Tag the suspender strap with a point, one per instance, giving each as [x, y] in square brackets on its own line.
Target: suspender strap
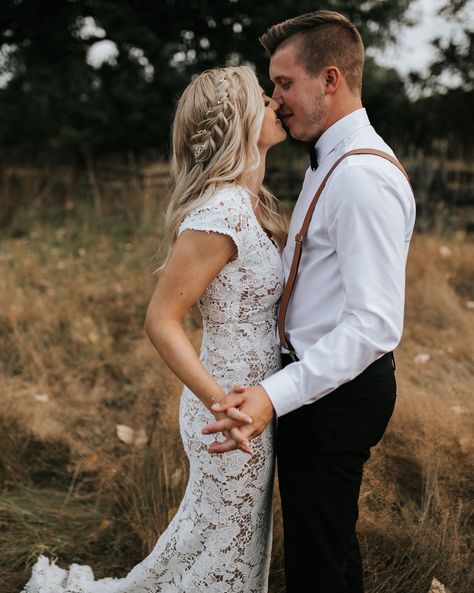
[300, 236]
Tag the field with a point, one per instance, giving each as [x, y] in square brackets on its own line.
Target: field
[75, 365]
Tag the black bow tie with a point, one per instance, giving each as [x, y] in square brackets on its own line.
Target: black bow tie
[312, 155]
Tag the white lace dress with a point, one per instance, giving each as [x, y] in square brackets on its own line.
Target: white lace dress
[219, 540]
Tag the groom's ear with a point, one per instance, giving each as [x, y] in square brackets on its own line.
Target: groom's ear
[332, 79]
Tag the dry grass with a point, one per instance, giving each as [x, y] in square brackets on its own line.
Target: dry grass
[417, 499]
[72, 302]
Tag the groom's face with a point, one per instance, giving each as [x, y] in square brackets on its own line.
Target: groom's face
[301, 96]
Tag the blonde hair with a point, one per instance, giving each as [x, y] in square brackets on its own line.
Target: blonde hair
[215, 135]
[325, 38]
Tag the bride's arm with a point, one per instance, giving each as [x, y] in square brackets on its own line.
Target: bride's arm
[196, 315]
[196, 259]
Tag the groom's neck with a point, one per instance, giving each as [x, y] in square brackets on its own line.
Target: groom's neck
[344, 106]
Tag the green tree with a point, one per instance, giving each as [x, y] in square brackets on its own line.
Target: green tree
[385, 98]
[447, 92]
[54, 102]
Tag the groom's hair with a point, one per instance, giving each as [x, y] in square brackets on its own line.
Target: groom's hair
[325, 38]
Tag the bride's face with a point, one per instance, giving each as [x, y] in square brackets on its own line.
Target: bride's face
[272, 131]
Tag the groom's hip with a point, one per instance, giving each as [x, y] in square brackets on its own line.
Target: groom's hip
[353, 415]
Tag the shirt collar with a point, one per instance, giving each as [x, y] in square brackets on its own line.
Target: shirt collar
[340, 130]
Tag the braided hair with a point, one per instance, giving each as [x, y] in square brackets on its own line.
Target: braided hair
[216, 130]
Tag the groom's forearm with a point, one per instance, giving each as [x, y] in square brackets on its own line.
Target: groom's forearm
[338, 357]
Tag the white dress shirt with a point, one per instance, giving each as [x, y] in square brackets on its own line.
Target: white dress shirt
[347, 305]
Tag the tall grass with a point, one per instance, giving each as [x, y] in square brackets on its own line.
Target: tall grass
[75, 364]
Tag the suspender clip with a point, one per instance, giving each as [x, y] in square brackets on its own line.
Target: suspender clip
[293, 356]
[299, 238]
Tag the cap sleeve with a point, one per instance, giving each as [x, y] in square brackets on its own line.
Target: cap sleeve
[220, 214]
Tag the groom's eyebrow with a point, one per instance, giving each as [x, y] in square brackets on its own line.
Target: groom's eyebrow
[279, 78]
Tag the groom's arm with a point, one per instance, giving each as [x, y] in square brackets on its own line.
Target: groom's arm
[366, 215]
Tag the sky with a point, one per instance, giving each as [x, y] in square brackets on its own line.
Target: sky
[413, 50]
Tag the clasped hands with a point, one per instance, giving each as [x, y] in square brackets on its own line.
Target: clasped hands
[241, 415]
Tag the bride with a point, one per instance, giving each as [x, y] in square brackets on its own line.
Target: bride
[225, 236]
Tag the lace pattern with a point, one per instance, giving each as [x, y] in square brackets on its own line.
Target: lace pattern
[219, 540]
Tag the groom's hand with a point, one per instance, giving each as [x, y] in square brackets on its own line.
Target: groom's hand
[253, 402]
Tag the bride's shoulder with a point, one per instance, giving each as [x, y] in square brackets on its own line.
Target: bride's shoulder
[224, 208]
[229, 196]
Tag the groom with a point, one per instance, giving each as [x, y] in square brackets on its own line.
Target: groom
[336, 392]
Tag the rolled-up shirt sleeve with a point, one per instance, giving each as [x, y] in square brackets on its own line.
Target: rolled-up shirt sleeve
[368, 222]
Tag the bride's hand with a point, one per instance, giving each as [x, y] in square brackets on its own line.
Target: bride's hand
[230, 416]
[257, 404]
[233, 434]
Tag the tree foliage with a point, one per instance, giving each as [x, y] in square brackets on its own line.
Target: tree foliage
[447, 91]
[54, 102]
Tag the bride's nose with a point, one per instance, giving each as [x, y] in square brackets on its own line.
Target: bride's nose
[274, 105]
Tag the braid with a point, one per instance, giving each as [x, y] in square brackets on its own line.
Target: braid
[215, 144]
[212, 129]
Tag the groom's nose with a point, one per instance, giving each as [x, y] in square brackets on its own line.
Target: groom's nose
[277, 97]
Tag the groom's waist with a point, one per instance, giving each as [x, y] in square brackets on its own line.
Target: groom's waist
[288, 358]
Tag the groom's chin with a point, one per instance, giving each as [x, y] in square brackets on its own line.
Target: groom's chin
[296, 134]
[299, 135]
[289, 133]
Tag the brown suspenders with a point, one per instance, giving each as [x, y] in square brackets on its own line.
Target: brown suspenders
[299, 237]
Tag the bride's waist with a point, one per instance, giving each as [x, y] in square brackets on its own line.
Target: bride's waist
[230, 325]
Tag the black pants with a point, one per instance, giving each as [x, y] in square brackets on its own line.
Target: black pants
[321, 450]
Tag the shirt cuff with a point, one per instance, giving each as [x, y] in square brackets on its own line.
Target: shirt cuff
[283, 392]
